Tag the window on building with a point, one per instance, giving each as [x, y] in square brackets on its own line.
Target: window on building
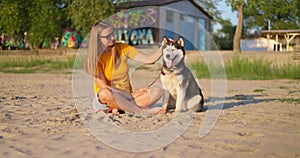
[189, 19]
[201, 22]
[182, 17]
[170, 16]
[186, 18]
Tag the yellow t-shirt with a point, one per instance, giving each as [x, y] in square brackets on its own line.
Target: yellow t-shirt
[117, 77]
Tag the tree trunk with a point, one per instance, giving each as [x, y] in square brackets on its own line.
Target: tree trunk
[238, 30]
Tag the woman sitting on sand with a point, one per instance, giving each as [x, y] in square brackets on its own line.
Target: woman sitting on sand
[107, 62]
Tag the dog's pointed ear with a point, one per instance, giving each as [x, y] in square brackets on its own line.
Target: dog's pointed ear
[164, 40]
[180, 41]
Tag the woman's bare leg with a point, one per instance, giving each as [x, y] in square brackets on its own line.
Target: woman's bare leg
[127, 103]
[146, 97]
[106, 97]
[122, 100]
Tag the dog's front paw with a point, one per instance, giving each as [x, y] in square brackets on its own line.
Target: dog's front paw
[180, 110]
[165, 106]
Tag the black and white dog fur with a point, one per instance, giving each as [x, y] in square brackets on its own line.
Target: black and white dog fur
[181, 90]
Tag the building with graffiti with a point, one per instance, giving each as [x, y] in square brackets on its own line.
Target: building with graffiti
[71, 39]
[146, 22]
[7, 42]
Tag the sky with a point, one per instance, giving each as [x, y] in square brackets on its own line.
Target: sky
[226, 13]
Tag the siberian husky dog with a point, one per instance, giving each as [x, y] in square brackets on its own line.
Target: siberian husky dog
[181, 90]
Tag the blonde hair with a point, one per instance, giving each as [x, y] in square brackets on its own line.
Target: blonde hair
[96, 48]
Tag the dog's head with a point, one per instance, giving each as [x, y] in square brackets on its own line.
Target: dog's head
[173, 52]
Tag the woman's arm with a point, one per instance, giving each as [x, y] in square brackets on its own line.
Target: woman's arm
[148, 59]
[101, 81]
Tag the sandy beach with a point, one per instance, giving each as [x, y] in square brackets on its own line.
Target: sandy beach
[39, 119]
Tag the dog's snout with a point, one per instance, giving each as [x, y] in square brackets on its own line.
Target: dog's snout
[168, 56]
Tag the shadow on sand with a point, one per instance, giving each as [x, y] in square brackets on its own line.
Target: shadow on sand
[236, 100]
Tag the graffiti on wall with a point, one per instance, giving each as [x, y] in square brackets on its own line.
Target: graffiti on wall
[136, 36]
[7, 42]
[133, 26]
[134, 18]
[71, 39]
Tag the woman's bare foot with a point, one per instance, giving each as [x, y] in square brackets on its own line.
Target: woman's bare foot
[162, 111]
[115, 111]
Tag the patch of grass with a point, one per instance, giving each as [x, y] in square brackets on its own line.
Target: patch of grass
[258, 90]
[290, 100]
[243, 68]
[201, 70]
[296, 91]
[282, 87]
[19, 71]
[238, 68]
[35, 64]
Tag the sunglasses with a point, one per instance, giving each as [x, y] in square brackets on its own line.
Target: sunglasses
[109, 35]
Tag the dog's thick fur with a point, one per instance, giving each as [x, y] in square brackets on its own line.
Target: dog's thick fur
[182, 91]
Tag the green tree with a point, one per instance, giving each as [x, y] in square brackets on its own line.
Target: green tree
[10, 22]
[84, 13]
[224, 36]
[14, 17]
[239, 6]
[253, 14]
[283, 14]
[40, 19]
[46, 21]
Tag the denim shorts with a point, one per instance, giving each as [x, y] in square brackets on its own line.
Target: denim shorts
[97, 106]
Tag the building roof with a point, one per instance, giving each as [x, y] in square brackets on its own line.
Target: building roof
[135, 4]
[279, 31]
